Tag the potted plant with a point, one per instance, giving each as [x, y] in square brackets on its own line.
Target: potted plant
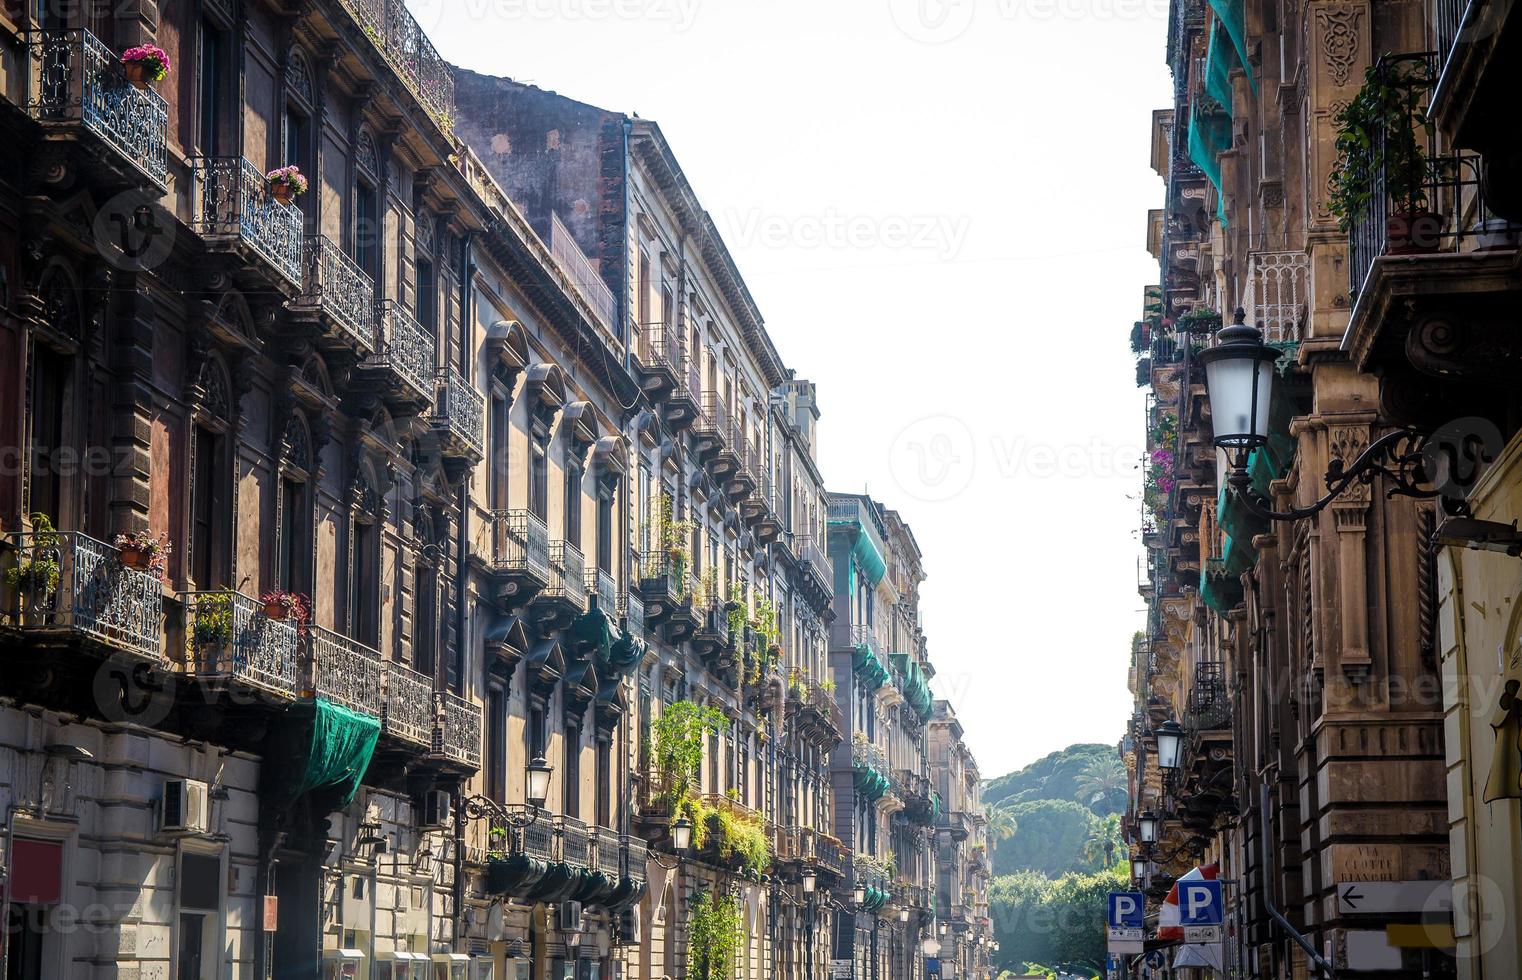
[285, 183]
[1201, 319]
[144, 65]
[1382, 150]
[280, 604]
[38, 568]
[143, 551]
[213, 619]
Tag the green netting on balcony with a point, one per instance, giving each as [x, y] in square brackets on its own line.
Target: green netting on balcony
[343, 741]
[594, 630]
[1209, 136]
[935, 805]
[1220, 594]
[866, 555]
[628, 651]
[869, 782]
[912, 684]
[869, 667]
[1231, 15]
[1220, 60]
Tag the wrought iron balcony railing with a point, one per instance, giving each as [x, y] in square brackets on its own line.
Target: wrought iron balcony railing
[402, 42]
[344, 671]
[567, 575]
[335, 286]
[660, 348]
[631, 611]
[601, 588]
[662, 570]
[863, 635]
[636, 857]
[582, 273]
[406, 350]
[230, 205]
[229, 638]
[1209, 705]
[575, 842]
[74, 79]
[520, 543]
[457, 736]
[72, 583]
[1277, 294]
[459, 415]
[409, 713]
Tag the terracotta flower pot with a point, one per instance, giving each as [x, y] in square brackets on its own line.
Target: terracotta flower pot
[137, 74]
[282, 192]
[133, 558]
[1413, 232]
[275, 611]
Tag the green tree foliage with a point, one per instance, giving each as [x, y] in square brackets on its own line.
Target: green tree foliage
[677, 739]
[1105, 845]
[1060, 922]
[1049, 838]
[714, 927]
[1055, 777]
[1102, 784]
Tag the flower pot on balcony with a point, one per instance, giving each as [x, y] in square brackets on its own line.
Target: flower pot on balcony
[276, 611]
[284, 193]
[137, 74]
[1413, 232]
[134, 558]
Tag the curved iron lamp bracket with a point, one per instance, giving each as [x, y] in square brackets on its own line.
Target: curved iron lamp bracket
[1405, 458]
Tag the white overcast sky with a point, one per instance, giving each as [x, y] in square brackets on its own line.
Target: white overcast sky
[940, 206]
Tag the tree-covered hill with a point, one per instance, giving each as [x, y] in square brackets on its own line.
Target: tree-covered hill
[1058, 776]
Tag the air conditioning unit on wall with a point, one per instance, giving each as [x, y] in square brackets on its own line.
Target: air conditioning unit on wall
[185, 807]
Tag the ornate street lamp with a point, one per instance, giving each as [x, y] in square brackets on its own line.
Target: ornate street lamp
[1146, 825]
[681, 836]
[859, 894]
[941, 928]
[810, 878]
[903, 915]
[1170, 740]
[538, 782]
[1139, 869]
[1239, 379]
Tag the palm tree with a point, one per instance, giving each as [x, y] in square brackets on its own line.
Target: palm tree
[1104, 842]
[1103, 779]
[1001, 825]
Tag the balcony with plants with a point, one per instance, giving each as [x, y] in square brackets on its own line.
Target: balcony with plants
[711, 636]
[813, 709]
[562, 859]
[233, 641]
[239, 211]
[404, 45]
[677, 735]
[75, 85]
[728, 835]
[666, 578]
[1424, 247]
[69, 587]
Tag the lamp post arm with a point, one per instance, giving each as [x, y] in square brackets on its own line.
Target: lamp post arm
[1401, 457]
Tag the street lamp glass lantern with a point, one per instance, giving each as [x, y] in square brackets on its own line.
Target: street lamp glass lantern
[681, 837]
[903, 915]
[1239, 378]
[1146, 825]
[942, 928]
[538, 782]
[1170, 741]
[1138, 868]
[810, 878]
[860, 895]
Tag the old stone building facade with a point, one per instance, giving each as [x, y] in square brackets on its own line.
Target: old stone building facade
[356, 546]
[1315, 603]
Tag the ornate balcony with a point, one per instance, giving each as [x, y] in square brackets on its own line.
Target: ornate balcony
[602, 591]
[403, 362]
[75, 81]
[682, 405]
[340, 293]
[344, 671]
[711, 632]
[70, 586]
[631, 614]
[711, 431]
[740, 481]
[459, 416]
[403, 44]
[816, 574]
[761, 511]
[457, 731]
[232, 210]
[408, 715]
[566, 589]
[517, 550]
[1209, 707]
[665, 584]
[229, 640]
[659, 354]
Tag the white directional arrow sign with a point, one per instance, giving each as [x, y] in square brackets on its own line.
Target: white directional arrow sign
[1391, 897]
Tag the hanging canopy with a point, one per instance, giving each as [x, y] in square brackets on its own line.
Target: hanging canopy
[343, 742]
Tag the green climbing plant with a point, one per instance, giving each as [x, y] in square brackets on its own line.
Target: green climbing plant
[677, 737]
[714, 933]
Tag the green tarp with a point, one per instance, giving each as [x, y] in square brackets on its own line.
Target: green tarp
[1209, 136]
[866, 555]
[1220, 60]
[1232, 17]
[342, 743]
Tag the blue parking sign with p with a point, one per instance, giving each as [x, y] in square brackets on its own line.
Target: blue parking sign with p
[1200, 904]
[1128, 910]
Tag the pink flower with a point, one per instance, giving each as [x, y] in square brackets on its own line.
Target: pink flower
[288, 175]
[151, 57]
